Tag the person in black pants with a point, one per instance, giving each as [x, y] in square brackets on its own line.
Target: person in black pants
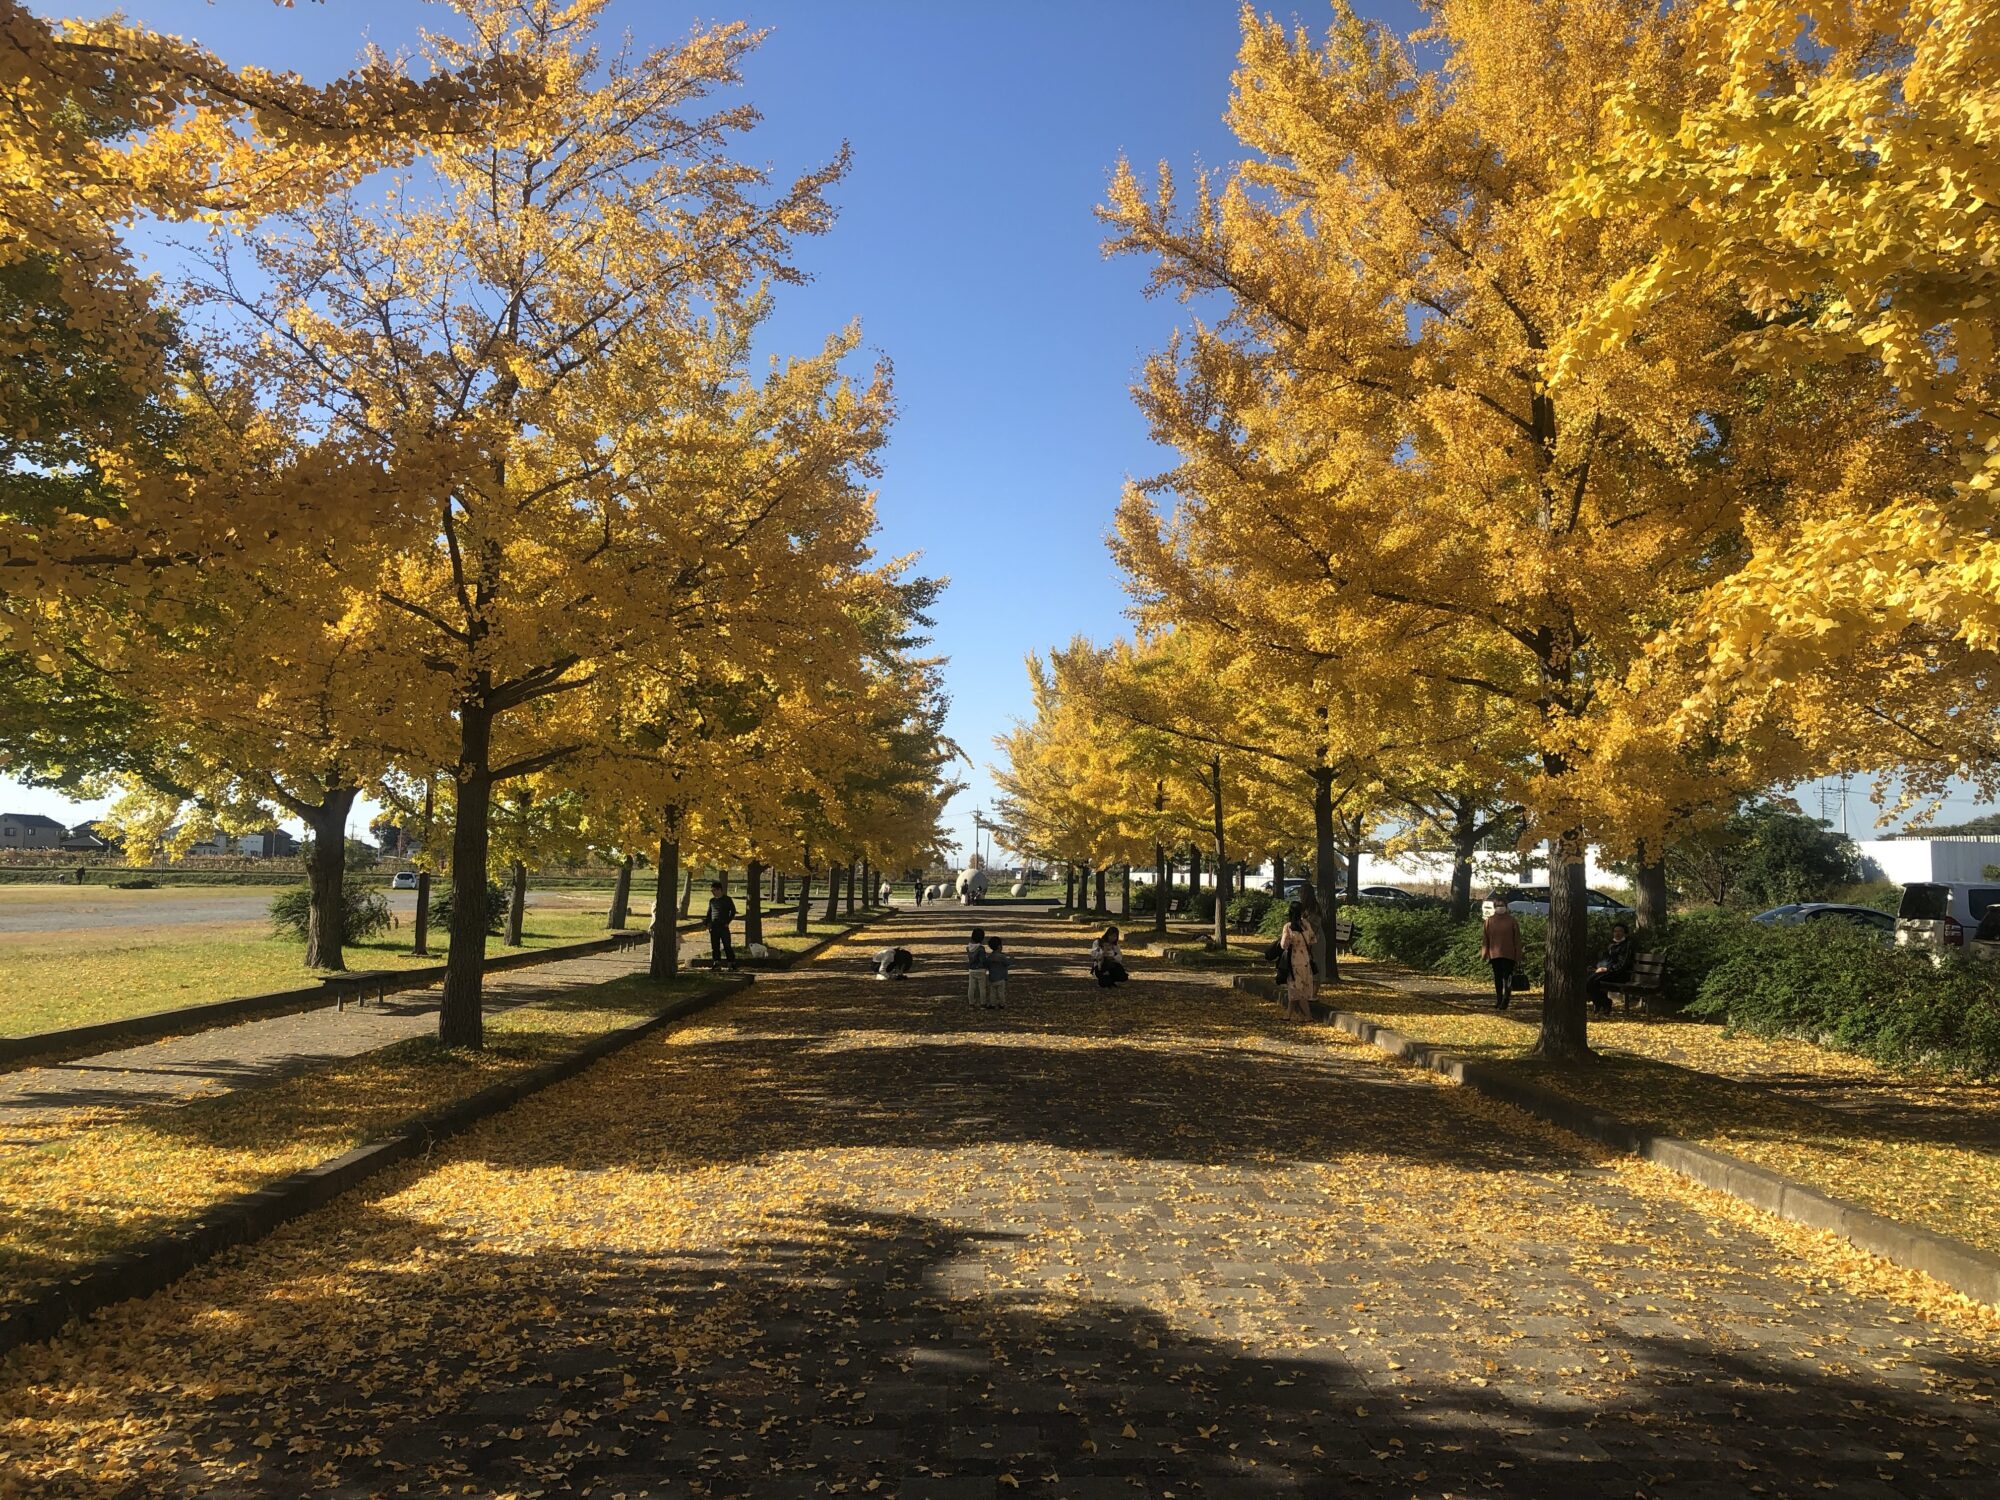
[721, 912]
[1611, 970]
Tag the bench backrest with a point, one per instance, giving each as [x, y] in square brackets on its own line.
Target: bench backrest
[1646, 970]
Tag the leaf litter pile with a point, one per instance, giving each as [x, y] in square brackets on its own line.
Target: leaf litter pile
[848, 1238]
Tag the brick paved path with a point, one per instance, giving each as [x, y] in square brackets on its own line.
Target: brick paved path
[841, 1236]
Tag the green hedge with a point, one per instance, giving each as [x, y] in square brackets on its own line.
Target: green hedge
[114, 875]
[1201, 910]
[1841, 988]
[1824, 982]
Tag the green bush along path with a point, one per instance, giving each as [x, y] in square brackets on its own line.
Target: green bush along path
[845, 1236]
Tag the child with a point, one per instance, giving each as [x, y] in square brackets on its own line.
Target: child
[996, 975]
[975, 967]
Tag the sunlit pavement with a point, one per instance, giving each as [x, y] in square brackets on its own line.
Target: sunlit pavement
[849, 1236]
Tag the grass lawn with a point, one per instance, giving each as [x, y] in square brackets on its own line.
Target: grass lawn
[1925, 1150]
[74, 977]
[72, 1194]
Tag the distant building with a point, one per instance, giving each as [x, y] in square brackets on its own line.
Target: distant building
[1948, 859]
[272, 843]
[85, 839]
[30, 831]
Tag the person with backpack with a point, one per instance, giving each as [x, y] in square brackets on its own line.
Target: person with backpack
[721, 912]
[1296, 976]
[1500, 946]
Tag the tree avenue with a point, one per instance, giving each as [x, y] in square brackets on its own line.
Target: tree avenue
[1588, 423]
[463, 478]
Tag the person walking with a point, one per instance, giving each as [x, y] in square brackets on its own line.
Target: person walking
[975, 968]
[1107, 960]
[1308, 903]
[721, 912]
[1295, 964]
[919, 885]
[1500, 946]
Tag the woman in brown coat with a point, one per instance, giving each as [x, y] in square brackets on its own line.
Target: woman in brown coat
[1500, 946]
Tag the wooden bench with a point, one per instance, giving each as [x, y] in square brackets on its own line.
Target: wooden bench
[1176, 906]
[1647, 970]
[356, 987]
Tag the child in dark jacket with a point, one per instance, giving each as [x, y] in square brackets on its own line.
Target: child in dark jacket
[996, 974]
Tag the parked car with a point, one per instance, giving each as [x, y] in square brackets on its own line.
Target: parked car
[1390, 893]
[1533, 901]
[1938, 914]
[1797, 913]
[403, 880]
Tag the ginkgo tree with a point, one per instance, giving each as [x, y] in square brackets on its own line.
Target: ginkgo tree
[1376, 467]
[543, 336]
[1831, 176]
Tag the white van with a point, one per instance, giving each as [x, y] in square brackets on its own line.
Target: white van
[1937, 914]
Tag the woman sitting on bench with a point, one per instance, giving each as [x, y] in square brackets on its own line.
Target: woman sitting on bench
[1612, 970]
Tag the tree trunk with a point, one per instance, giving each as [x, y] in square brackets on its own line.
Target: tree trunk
[1162, 881]
[1354, 866]
[461, 1019]
[664, 961]
[803, 916]
[621, 897]
[421, 948]
[1125, 891]
[1069, 887]
[778, 890]
[1194, 881]
[832, 912]
[1221, 928]
[687, 892]
[852, 867]
[753, 904]
[1465, 840]
[326, 877]
[1565, 1001]
[1649, 884]
[517, 905]
[1103, 905]
[1326, 861]
[1278, 876]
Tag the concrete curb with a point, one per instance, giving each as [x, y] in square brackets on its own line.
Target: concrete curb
[186, 1020]
[1962, 1267]
[157, 1263]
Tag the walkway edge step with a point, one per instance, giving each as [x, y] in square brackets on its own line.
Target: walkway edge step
[1960, 1266]
[157, 1263]
[186, 1020]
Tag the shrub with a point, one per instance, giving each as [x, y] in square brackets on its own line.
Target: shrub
[1408, 935]
[1839, 987]
[1693, 945]
[1250, 909]
[366, 907]
[497, 897]
[1202, 909]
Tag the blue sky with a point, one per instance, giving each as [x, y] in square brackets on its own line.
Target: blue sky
[982, 136]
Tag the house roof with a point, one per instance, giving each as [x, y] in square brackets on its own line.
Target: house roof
[32, 820]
